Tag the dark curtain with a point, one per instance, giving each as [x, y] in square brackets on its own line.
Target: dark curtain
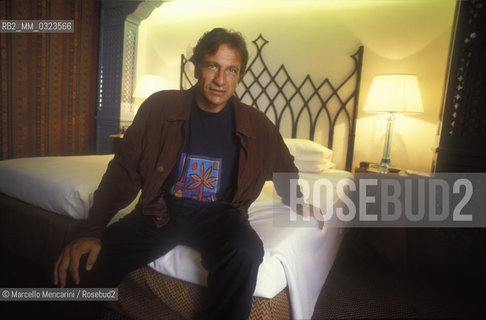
[48, 80]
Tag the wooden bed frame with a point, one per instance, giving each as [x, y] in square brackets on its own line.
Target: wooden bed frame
[39, 235]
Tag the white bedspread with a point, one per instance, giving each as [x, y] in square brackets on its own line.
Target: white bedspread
[299, 256]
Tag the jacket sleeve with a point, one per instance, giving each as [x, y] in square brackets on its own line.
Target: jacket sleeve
[122, 180]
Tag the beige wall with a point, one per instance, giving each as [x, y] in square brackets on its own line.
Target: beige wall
[315, 37]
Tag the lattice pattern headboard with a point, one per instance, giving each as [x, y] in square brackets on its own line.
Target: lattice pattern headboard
[324, 112]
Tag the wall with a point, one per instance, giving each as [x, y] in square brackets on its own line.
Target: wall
[316, 38]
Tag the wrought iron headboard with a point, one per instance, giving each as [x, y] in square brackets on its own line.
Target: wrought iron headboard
[285, 102]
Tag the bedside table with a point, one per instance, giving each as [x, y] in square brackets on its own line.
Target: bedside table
[117, 139]
[375, 168]
[393, 244]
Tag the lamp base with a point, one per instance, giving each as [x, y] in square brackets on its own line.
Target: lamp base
[385, 163]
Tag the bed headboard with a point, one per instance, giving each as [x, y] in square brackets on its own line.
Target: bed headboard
[322, 112]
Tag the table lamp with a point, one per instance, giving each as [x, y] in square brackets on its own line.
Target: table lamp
[393, 94]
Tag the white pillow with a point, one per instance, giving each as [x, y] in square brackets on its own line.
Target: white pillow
[310, 156]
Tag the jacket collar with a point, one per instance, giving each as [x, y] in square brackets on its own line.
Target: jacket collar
[242, 125]
[183, 112]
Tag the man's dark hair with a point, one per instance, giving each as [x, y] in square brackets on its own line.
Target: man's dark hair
[210, 42]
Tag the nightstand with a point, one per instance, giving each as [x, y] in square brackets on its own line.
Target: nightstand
[117, 140]
[375, 168]
[392, 244]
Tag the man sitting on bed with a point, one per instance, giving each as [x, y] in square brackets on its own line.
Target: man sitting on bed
[201, 158]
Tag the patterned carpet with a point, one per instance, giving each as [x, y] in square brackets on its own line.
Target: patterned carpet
[367, 286]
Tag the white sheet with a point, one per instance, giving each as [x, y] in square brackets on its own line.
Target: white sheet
[65, 185]
[59, 184]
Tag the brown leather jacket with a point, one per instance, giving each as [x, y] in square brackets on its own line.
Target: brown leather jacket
[153, 143]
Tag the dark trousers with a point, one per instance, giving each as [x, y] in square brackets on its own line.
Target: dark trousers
[231, 252]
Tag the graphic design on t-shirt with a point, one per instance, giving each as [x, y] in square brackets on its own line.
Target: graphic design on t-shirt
[198, 178]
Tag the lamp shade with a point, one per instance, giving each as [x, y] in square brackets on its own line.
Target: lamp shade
[396, 93]
[148, 84]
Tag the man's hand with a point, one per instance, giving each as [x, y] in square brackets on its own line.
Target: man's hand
[308, 210]
[69, 259]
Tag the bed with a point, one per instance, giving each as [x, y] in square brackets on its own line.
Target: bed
[40, 211]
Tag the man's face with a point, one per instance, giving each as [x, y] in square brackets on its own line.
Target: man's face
[217, 76]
